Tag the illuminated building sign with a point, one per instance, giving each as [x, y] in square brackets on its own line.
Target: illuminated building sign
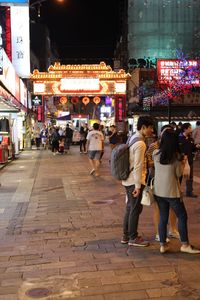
[10, 78]
[120, 103]
[186, 71]
[20, 37]
[82, 80]
[39, 88]
[36, 100]
[10, 2]
[79, 84]
[120, 87]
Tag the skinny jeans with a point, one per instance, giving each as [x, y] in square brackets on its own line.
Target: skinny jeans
[178, 206]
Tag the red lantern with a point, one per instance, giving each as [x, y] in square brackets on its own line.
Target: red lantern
[96, 100]
[63, 100]
[85, 100]
[75, 100]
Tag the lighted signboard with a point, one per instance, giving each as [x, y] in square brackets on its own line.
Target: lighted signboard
[20, 37]
[120, 87]
[39, 88]
[36, 100]
[9, 77]
[170, 70]
[79, 84]
[11, 2]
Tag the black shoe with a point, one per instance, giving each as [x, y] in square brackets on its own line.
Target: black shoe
[191, 195]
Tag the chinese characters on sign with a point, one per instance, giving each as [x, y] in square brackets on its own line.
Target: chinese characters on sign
[186, 71]
[120, 108]
[20, 40]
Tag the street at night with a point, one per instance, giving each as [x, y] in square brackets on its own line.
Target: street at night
[99, 149]
[60, 232]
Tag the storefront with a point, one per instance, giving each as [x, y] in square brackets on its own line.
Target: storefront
[12, 112]
[94, 90]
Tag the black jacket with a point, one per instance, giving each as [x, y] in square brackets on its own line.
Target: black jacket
[187, 147]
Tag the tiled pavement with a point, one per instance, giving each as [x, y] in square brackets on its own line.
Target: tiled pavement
[60, 232]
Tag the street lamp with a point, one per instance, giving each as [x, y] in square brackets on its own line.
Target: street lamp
[38, 3]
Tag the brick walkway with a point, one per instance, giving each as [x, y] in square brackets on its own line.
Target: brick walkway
[60, 231]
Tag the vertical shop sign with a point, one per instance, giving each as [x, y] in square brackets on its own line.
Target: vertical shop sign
[120, 108]
[39, 113]
[20, 36]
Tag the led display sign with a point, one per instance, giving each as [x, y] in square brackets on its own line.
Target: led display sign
[186, 71]
[13, 2]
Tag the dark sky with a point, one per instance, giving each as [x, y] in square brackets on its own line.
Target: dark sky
[82, 29]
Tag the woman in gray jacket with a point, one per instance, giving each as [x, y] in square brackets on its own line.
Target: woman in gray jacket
[169, 164]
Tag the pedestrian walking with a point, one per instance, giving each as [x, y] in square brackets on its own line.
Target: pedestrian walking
[83, 140]
[95, 146]
[188, 148]
[68, 138]
[196, 137]
[135, 183]
[169, 164]
[37, 138]
[44, 136]
[55, 141]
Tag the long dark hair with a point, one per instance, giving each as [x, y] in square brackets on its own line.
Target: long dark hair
[169, 147]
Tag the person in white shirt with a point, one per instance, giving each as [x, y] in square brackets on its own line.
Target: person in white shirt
[135, 183]
[95, 146]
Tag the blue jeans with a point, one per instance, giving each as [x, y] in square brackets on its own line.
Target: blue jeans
[132, 212]
[179, 208]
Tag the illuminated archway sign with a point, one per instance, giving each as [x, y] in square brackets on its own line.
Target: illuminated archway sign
[83, 80]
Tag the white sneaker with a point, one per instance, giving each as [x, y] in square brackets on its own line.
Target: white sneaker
[164, 249]
[189, 249]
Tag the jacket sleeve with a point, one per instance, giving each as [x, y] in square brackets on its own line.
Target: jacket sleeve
[139, 156]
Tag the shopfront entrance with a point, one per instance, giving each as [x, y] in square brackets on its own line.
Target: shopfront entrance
[93, 90]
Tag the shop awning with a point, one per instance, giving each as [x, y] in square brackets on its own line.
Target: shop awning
[6, 106]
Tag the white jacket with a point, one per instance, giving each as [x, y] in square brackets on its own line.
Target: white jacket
[137, 162]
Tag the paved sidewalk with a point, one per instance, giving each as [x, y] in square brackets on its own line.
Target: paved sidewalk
[60, 231]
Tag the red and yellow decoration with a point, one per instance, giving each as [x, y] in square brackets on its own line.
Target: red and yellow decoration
[85, 100]
[96, 100]
[63, 100]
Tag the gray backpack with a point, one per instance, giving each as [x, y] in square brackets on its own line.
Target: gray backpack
[120, 165]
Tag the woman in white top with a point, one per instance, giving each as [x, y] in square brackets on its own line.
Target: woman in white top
[169, 165]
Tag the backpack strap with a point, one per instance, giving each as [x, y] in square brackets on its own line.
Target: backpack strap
[134, 140]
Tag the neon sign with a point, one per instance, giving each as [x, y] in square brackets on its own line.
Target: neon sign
[79, 84]
[183, 71]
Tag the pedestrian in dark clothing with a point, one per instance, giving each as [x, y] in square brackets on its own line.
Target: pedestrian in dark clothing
[55, 137]
[187, 147]
[68, 137]
[83, 140]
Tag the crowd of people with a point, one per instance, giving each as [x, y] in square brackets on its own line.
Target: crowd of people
[166, 159]
[58, 139]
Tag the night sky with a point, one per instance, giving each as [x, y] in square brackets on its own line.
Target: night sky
[85, 30]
